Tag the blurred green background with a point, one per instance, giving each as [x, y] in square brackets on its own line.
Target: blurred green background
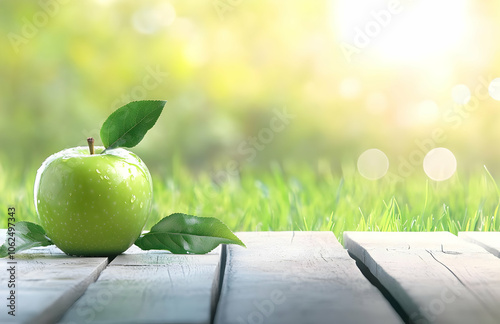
[353, 74]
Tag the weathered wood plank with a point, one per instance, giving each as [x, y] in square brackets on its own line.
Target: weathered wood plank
[488, 240]
[47, 283]
[150, 287]
[435, 277]
[297, 277]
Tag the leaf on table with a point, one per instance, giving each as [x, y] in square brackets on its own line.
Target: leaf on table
[127, 125]
[182, 234]
[27, 235]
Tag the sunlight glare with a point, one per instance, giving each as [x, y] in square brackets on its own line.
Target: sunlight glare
[412, 31]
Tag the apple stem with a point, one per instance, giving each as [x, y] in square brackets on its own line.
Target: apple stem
[90, 141]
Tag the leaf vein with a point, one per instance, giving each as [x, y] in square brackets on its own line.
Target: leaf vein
[130, 129]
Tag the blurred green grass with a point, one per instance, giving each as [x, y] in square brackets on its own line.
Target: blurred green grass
[224, 76]
[293, 196]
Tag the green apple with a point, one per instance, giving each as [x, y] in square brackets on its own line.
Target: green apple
[93, 204]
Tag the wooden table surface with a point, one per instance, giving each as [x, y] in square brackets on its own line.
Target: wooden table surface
[281, 277]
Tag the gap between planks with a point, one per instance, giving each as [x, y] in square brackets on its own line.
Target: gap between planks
[47, 283]
[436, 277]
[227, 275]
[297, 277]
[320, 282]
[490, 241]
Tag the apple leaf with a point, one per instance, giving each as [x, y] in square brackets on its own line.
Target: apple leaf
[182, 234]
[26, 236]
[127, 125]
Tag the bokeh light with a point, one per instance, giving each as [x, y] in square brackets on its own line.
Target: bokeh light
[494, 89]
[350, 88]
[376, 103]
[150, 19]
[460, 94]
[373, 164]
[440, 164]
[428, 111]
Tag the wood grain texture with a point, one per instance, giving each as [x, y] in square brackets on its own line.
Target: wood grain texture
[47, 283]
[150, 287]
[297, 277]
[436, 277]
[490, 241]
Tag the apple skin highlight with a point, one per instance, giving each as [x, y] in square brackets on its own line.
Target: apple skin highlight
[93, 205]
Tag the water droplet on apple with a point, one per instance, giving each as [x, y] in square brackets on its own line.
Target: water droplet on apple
[140, 206]
[133, 199]
[97, 170]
